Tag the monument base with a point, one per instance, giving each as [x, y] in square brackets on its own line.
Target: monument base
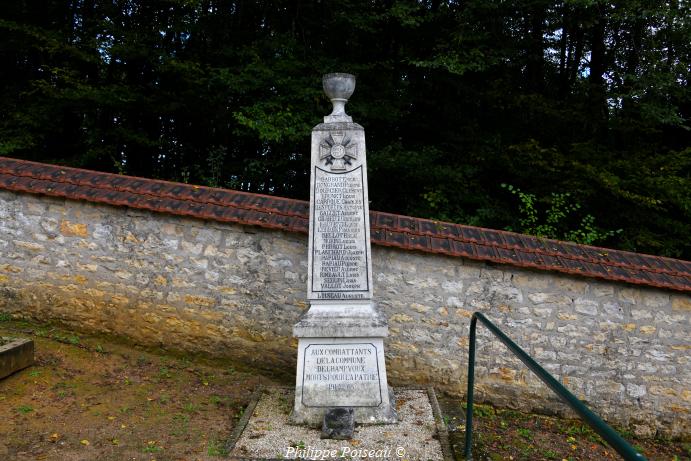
[341, 364]
[265, 433]
[342, 320]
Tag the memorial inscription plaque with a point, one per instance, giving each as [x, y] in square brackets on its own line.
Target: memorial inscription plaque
[333, 371]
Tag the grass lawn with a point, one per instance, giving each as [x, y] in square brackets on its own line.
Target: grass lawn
[500, 434]
[88, 398]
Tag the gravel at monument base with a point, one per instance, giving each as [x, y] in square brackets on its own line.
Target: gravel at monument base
[269, 435]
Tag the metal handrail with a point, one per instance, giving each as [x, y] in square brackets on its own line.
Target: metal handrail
[611, 436]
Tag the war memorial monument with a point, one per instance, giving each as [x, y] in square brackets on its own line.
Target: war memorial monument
[342, 406]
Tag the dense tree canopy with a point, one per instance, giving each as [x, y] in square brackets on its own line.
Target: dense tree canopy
[580, 108]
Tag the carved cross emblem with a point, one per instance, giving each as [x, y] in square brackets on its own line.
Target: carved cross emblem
[337, 150]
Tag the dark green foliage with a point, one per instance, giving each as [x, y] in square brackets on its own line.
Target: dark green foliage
[553, 222]
[579, 97]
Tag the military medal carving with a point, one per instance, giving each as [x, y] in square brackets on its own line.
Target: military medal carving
[338, 151]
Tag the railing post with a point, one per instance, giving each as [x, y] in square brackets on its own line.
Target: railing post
[612, 437]
[468, 453]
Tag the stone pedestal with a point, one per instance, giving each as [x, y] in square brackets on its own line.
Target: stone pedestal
[341, 364]
[361, 386]
[340, 347]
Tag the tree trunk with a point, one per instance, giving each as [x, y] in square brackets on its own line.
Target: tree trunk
[597, 94]
[563, 41]
[535, 66]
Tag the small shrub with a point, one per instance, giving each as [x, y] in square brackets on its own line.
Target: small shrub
[151, 447]
[190, 407]
[215, 448]
[554, 222]
[525, 433]
[67, 339]
[164, 373]
[180, 424]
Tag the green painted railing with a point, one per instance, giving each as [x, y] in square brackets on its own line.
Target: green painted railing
[611, 436]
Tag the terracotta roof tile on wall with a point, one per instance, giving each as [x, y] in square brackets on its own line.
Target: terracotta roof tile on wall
[387, 229]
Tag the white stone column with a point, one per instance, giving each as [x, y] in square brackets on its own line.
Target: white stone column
[340, 338]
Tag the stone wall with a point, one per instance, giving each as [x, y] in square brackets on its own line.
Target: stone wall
[236, 291]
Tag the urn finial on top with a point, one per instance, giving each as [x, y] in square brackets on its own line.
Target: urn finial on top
[338, 88]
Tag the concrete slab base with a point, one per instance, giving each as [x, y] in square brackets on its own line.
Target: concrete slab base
[266, 433]
[15, 354]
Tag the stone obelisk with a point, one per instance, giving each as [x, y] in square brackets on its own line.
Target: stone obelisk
[341, 336]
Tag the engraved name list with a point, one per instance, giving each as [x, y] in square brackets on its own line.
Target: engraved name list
[339, 269]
